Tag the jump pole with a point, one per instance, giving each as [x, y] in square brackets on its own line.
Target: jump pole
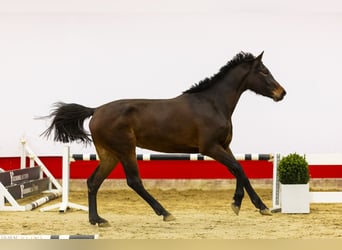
[175, 157]
[65, 204]
[48, 237]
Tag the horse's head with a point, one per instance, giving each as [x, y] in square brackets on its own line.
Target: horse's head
[261, 81]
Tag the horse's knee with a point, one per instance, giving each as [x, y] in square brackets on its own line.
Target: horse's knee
[134, 183]
[236, 167]
[239, 174]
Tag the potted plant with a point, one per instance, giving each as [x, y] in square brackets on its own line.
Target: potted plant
[294, 179]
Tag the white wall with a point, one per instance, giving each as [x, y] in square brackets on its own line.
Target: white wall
[92, 52]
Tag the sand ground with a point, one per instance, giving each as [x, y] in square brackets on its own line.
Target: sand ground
[200, 214]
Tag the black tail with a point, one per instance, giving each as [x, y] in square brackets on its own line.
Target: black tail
[67, 122]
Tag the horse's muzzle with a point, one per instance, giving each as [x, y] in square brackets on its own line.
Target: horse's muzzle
[278, 94]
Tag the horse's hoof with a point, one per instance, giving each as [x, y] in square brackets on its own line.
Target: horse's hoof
[235, 208]
[169, 217]
[265, 211]
[100, 222]
[103, 224]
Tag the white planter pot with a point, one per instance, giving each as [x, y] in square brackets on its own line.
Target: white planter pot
[295, 198]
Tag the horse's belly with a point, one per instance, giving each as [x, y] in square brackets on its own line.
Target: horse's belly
[187, 150]
[167, 146]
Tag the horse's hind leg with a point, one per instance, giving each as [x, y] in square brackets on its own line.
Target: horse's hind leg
[107, 164]
[134, 181]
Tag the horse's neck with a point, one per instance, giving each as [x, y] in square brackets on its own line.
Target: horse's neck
[226, 93]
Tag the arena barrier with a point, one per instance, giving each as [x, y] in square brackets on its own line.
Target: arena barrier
[313, 159]
[325, 159]
[193, 157]
[27, 181]
[48, 237]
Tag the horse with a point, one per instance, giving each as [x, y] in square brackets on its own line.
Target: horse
[196, 121]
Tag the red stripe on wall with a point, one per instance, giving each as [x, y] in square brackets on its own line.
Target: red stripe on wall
[177, 170]
[172, 169]
[325, 171]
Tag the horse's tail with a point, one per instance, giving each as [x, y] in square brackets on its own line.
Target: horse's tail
[67, 122]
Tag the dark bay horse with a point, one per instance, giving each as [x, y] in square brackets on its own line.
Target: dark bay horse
[197, 121]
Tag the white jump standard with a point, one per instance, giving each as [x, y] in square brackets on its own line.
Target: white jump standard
[65, 204]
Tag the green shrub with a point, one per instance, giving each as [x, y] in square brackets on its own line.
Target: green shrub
[293, 169]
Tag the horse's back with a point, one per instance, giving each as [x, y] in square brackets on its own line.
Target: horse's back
[157, 124]
[142, 109]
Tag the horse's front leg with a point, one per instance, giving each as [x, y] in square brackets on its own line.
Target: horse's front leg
[227, 158]
[238, 196]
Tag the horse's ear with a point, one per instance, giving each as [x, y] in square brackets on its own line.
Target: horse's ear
[259, 57]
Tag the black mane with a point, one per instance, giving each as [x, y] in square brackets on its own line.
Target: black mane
[208, 82]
